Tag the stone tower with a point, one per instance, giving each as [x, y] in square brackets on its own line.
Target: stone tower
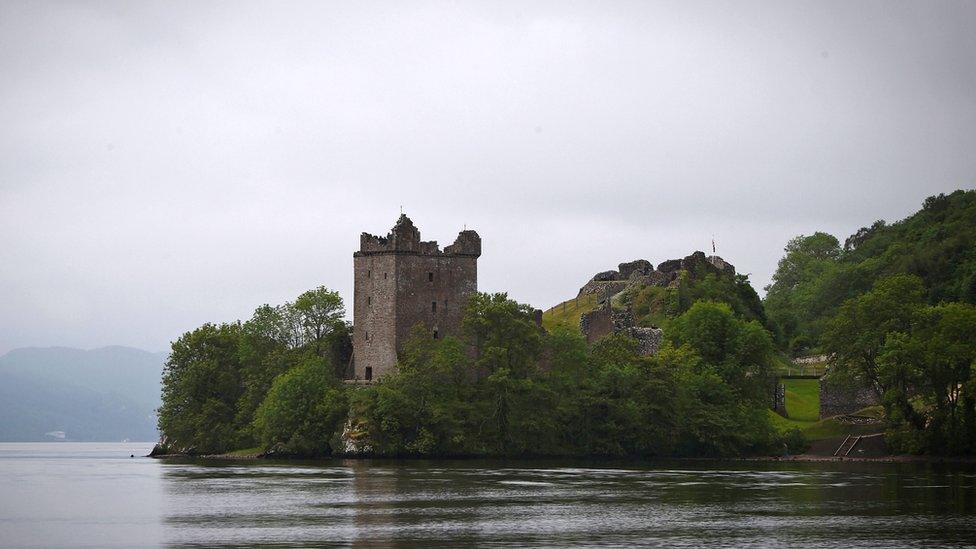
[401, 281]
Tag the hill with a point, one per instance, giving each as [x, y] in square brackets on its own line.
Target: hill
[103, 394]
[817, 274]
[655, 296]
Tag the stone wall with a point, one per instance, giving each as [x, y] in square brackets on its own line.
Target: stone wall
[779, 398]
[596, 324]
[601, 322]
[839, 399]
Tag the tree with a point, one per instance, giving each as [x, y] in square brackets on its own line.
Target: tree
[740, 352]
[319, 313]
[503, 333]
[303, 410]
[791, 299]
[932, 370]
[856, 336]
[201, 385]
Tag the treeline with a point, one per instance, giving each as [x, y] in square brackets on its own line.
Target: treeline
[817, 274]
[893, 309]
[217, 377]
[504, 387]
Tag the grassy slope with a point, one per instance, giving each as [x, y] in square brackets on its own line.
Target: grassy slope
[803, 399]
[569, 312]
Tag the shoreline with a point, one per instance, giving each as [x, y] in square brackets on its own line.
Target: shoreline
[799, 458]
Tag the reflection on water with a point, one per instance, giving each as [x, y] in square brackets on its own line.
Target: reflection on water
[387, 503]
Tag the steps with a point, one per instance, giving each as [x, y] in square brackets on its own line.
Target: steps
[845, 447]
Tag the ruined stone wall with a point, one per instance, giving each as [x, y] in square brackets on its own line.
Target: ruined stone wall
[838, 399]
[779, 398]
[599, 323]
[596, 324]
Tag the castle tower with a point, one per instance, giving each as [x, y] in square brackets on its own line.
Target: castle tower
[401, 281]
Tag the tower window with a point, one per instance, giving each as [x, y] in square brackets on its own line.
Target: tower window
[369, 300]
[430, 277]
[366, 335]
[369, 373]
[435, 334]
[369, 273]
[433, 306]
[384, 276]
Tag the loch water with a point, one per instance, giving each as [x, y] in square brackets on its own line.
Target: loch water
[95, 495]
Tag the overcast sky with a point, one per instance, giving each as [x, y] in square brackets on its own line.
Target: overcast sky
[167, 164]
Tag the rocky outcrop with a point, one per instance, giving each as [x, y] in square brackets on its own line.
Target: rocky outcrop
[641, 267]
[669, 266]
[721, 264]
[354, 440]
[606, 276]
[603, 287]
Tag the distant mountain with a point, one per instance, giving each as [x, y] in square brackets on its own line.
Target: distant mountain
[104, 394]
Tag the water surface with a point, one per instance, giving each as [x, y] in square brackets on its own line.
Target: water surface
[90, 494]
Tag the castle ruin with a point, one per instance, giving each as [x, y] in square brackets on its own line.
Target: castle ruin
[400, 282]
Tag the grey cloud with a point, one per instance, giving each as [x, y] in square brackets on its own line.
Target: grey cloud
[167, 164]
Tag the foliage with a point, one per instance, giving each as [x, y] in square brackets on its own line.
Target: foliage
[504, 387]
[201, 385]
[302, 410]
[526, 392]
[921, 361]
[815, 276]
[217, 376]
[740, 352]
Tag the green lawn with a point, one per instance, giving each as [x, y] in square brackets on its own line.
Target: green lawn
[803, 399]
[569, 312]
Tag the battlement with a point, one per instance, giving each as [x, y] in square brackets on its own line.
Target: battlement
[404, 238]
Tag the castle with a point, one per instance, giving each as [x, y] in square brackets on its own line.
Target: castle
[401, 281]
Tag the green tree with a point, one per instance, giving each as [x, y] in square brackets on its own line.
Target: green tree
[320, 312]
[740, 352]
[201, 385]
[856, 337]
[303, 410]
[932, 370]
[503, 333]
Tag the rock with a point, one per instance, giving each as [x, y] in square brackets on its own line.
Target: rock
[721, 264]
[159, 449]
[695, 262]
[603, 288]
[606, 276]
[669, 266]
[658, 278]
[639, 266]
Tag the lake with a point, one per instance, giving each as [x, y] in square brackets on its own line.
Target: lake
[92, 494]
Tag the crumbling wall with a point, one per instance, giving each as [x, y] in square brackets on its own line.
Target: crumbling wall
[600, 323]
[837, 398]
[596, 324]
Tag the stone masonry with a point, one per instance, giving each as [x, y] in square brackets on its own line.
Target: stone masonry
[400, 282]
